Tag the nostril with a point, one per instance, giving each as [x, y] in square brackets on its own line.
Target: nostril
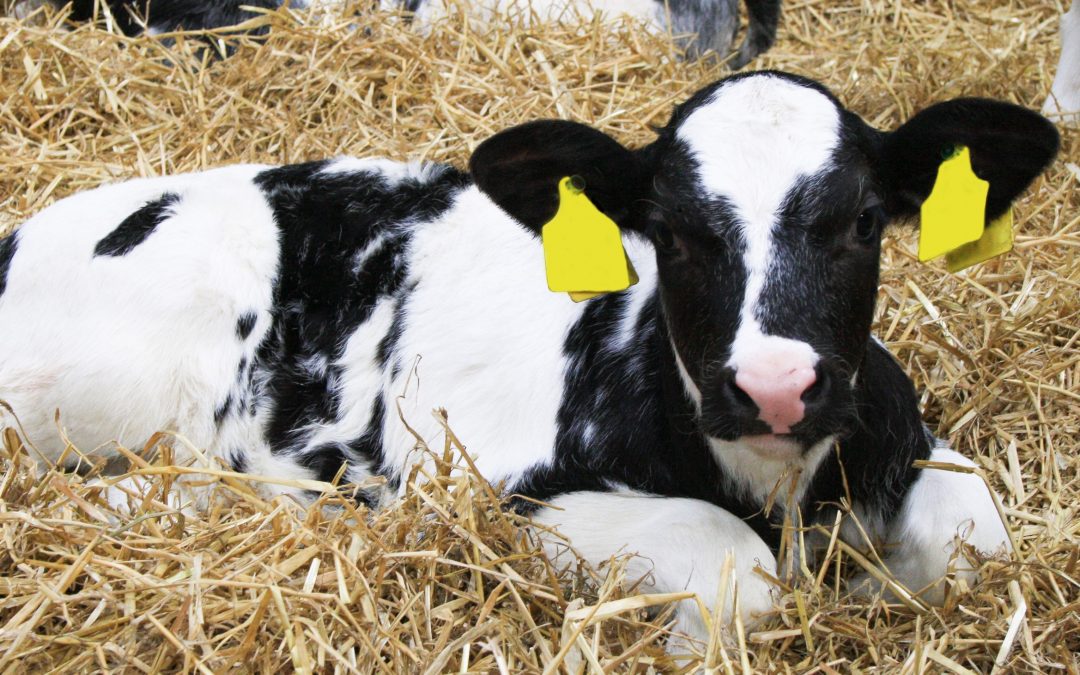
[820, 387]
[739, 396]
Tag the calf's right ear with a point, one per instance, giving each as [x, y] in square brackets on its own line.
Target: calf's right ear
[1009, 147]
[520, 168]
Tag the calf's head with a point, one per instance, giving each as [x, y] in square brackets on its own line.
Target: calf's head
[765, 200]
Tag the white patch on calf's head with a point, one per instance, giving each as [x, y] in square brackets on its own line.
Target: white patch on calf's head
[754, 140]
[755, 137]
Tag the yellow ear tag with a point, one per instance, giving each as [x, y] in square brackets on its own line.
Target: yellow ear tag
[583, 250]
[997, 239]
[955, 212]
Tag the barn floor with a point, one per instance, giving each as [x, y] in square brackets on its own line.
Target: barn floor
[445, 581]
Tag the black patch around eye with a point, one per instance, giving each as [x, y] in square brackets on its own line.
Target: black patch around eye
[869, 223]
[134, 229]
[661, 235]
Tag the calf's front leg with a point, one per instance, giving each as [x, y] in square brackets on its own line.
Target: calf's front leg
[676, 545]
[941, 509]
[916, 516]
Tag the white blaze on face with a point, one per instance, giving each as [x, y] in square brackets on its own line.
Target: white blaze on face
[753, 141]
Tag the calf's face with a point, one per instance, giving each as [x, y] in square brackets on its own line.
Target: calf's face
[765, 200]
[767, 220]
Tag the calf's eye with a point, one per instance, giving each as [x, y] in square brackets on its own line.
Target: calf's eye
[868, 224]
[661, 235]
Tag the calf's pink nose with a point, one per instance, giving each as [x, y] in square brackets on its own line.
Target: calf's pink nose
[777, 392]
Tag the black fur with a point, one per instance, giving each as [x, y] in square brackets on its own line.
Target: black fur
[238, 460]
[135, 229]
[538, 154]
[874, 463]
[222, 411]
[245, 324]
[8, 246]
[764, 18]
[322, 294]
[1009, 146]
[169, 15]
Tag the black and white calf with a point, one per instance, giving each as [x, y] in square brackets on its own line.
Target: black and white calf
[714, 23]
[280, 317]
[134, 17]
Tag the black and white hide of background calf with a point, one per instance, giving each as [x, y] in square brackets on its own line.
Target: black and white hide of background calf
[710, 25]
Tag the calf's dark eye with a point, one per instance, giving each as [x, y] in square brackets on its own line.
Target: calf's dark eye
[868, 224]
[661, 235]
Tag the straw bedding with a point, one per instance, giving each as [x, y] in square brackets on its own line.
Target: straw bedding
[446, 581]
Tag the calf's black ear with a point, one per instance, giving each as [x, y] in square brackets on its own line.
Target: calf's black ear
[520, 170]
[1009, 146]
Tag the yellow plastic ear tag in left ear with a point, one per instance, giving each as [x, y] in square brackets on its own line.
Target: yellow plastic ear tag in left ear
[583, 250]
[955, 212]
[997, 239]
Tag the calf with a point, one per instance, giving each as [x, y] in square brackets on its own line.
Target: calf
[713, 23]
[277, 317]
[134, 17]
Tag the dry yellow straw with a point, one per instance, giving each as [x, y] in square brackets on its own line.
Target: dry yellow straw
[446, 581]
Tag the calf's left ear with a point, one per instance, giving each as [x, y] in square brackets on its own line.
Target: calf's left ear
[520, 170]
[1009, 147]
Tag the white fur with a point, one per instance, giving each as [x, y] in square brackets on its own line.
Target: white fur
[1064, 100]
[24, 8]
[123, 494]
[942, 508]
[392, 171]
[499, 374]
[126, 346]
[756, 475]
[676, 544]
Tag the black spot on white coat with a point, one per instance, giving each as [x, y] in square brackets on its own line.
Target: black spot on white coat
[137, 227]
[245, 324]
